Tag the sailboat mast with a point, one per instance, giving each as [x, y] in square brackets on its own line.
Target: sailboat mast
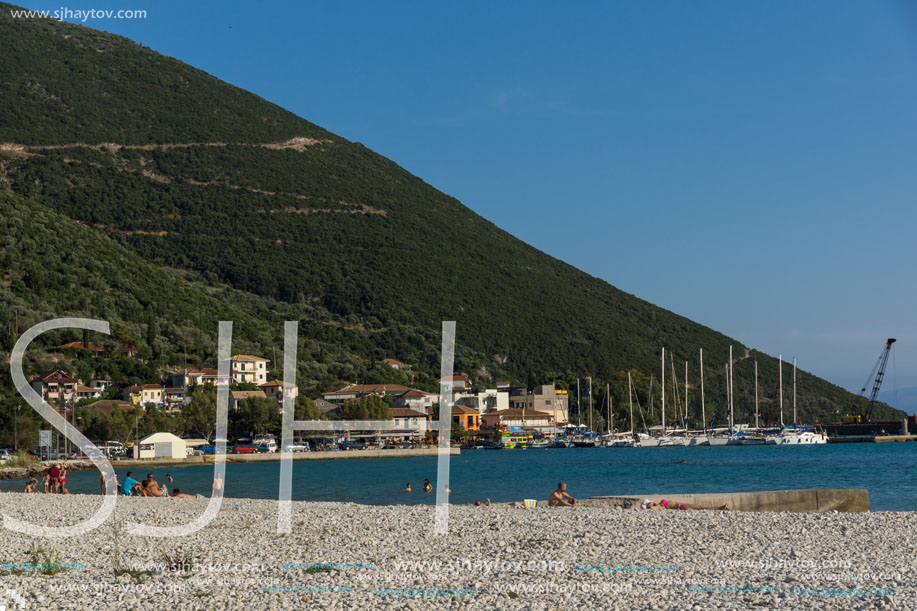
[780, 376]
[795, 421]
[608, 396]
[686, 395]
[590, 405]
[630, 398]
[729, 385]
[703, 408]
[756, 394]
[663, 390]
[579, 408]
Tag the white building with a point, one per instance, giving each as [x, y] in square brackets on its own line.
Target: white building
[161, 445]
[490, 400]
[247, 368]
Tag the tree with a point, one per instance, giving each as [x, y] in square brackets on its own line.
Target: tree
[200, 415]
[255, 415]
[305, 409]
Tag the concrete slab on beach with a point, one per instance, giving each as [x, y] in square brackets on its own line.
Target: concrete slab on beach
[813, 500]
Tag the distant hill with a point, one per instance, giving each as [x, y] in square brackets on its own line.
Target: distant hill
[147, 192]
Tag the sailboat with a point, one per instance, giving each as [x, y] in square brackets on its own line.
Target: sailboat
[795, 435]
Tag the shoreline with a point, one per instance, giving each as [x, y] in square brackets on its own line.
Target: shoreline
[74, 466]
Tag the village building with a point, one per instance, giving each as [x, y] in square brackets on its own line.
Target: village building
[278, 389]
[55, 386]
[459, 382]
[527, 419]
[246, 368]
[143, 394]
[161, 445]
[543, 398]
[397, 365]
[357, 391]
[467, 417]
[199, 377]
[408, 421]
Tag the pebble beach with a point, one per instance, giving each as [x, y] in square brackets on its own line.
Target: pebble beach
[344, 555]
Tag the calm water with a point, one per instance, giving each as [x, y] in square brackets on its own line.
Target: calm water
[887, 470]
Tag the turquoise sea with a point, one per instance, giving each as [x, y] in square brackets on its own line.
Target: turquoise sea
[887, 470]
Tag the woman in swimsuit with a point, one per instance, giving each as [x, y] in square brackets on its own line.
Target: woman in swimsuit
[666, 504]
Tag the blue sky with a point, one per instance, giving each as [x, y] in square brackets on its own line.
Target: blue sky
[752, 166]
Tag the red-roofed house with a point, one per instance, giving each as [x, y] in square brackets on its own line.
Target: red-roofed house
[457, 382]
[55, 386]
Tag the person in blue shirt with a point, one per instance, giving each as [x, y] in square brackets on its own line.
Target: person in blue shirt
[128, 485]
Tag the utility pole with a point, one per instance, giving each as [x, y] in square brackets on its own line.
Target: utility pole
[16, 429]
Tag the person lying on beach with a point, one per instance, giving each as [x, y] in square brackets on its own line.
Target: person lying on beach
[30, 487]
[178, 494]
[666, 504]
[486, 503]
[560, 498]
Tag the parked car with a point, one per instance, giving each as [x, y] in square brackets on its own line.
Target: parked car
[5, 455]
[245, 449]
[296, 447]
[353, 445]
[208, 449]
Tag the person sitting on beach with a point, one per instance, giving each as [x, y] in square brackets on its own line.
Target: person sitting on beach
[408, 487]
[666, 504]
[178, 494]
[128, 486]
[427, 486]
[560, 498]
[152, 488]
[30, 487]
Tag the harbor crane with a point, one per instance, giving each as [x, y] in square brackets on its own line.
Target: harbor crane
[879, 372]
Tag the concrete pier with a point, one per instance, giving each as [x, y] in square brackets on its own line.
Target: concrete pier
[814, 500]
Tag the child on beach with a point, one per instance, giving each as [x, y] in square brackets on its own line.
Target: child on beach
[30, 487]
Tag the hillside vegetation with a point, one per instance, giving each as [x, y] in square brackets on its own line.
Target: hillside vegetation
[146, 192]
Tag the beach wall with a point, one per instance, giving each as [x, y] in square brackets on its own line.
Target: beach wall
[813, 500]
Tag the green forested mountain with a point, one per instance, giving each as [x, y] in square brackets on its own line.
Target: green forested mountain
[140, 190]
